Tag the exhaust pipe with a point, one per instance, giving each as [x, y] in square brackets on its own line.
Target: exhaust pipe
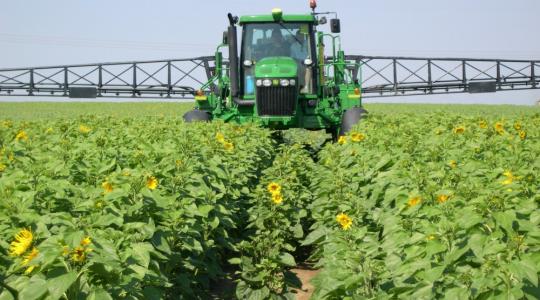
[234, 66]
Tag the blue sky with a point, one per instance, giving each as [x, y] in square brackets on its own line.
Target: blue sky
[37, 32]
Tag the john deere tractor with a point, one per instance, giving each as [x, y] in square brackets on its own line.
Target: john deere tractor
[281, 78]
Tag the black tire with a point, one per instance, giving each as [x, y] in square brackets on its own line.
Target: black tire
[350, 118]
[334, 132]
[196, 116]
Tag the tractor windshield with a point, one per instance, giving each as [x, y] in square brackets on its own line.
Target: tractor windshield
[261, 40]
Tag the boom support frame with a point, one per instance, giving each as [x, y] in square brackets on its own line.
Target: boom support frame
[380, 76]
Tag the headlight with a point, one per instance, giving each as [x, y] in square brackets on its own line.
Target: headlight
[292, 82]
[267, 82]
[258, 82]
[248, 63]
[284, 82]
[308, 62]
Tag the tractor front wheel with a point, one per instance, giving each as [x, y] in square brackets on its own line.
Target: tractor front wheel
[196, 116]
[350, 118]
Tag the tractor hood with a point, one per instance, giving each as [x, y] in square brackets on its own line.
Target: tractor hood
[276, 67]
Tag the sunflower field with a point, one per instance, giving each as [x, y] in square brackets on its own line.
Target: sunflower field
[408, 205]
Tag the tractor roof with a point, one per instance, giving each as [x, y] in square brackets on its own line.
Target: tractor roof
[270, 19]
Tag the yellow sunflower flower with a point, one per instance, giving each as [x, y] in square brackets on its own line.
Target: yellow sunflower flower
[357, 137]
[522, 135]
[28, 258]
[483, 124]
[49, 130]
[107, 186]
[452, 164]
[78, 255]
[499, 127]
[151, 182]
[22, 242]
[431, 237]
[84, 129]
[442, 198]
[277, 198]
[507, 181]
[21, 135]
[509, 177]
[86, 241]
[414, 201]
[459, 130]
[2, 167]
[274, 188]
[29, 270]
[342, 140]
[220, 137]
[228, 146]
[7, 124]
[517, 126]
[344, 220]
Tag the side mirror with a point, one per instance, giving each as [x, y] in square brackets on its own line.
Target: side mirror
[225, 38]
[335, 26]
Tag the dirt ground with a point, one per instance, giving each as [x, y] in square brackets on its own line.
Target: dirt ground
[225, 288]
[305, 276]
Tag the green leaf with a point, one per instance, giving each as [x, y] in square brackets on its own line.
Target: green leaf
[314, 236]
[152, 293]
[159, 241]
[204, 210]
[35, 289]
[476, 242]
[287, 259]
[298, 232]
[6, 295]
[456, 293]
[455, 255]
[433, 274]
[259, 294]
[235, 261]
[141, 253]
[214, 223]
[99, 294]
[526, 268]
[469, 218]
[505, 220]
[139, 271]
[434, 247]
[57, 286]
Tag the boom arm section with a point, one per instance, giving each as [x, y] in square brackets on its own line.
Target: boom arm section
[407, 76]
[174, 78]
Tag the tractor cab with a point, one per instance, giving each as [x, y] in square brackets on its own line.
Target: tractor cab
[276, 62]
[284, 51]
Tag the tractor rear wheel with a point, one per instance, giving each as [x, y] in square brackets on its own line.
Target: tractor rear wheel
[196, 116]
[350, 118]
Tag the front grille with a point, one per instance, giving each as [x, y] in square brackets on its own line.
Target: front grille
[276, 100]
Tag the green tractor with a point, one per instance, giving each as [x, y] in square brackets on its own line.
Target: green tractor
[281, 79]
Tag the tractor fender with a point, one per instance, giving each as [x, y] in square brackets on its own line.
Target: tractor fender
[350, 118]
[196, 116]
